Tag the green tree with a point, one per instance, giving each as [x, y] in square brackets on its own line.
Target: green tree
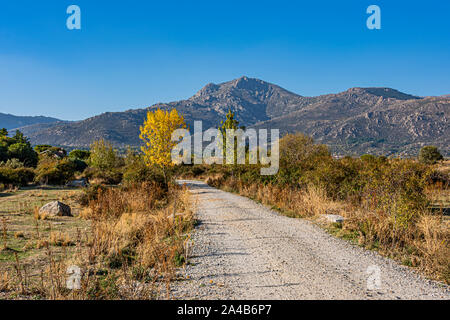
[430, 155]
[3, 132]
[300, 150]
[24, 153]
[229, 123]
[20, 138]
[103, 156]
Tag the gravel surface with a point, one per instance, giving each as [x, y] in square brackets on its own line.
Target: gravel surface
[243, 250]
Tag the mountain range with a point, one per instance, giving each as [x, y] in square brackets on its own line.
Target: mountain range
[9, 121]
[354, 122]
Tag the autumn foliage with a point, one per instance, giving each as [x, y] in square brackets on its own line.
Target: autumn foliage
[157, 136]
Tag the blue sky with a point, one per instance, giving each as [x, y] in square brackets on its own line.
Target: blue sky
[132, 54]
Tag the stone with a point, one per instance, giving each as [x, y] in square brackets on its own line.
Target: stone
[56, 208]
[81, 183]
[334, 218]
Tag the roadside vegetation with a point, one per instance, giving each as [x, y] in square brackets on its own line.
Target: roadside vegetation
[128, 233]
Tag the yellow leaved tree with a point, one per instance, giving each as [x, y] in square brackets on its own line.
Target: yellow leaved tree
[157, 136]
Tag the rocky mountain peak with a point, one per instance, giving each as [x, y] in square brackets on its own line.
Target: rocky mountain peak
[382, 92]
[210, 88]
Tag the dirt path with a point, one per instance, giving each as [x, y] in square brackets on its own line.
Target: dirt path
[243, 250]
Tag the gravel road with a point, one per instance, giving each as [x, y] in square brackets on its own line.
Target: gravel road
[243, 250]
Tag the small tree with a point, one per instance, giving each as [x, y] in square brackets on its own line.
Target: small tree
[79, 154]
[300, 150]
[157, 136]
[430, 155]
[230, 123]
[103, 156]
[20, 138]
[24, 153]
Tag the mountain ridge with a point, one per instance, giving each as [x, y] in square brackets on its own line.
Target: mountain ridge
[358, 120]
[9, 121]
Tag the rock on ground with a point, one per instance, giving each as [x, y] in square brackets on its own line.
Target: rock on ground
[56, 208]
[81, 183]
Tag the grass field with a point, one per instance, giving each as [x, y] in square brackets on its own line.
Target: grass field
[127, 242]
[26, 241]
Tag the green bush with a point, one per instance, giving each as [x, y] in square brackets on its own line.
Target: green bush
[55, 172]
[112, 176]
[17, 147]
[299, 150]
[136, 171]
[103, 156]
[339, 178]
[12, 163]
[430, 155]
[395, 187]
[80, 165]
[79, 154]
[17, 177]
[90, 193]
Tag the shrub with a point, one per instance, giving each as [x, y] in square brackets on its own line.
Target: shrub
[55, 172]
[80, 165]
[79, 154]
[16, 177]
[103, 156]
[12, 163]
[90, 194]
[339, 178]
[136, 171]
[430, 155]
[300, 150]
[96, 175]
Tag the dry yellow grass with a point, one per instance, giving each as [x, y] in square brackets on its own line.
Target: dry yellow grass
[131, 240]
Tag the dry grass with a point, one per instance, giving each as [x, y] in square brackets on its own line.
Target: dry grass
[28, 238]
[296, 203]
[130, 246]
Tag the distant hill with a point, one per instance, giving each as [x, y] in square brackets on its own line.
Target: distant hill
[10, 121]
[356, 121]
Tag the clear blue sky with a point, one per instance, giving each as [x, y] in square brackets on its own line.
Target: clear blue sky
[132, 54]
